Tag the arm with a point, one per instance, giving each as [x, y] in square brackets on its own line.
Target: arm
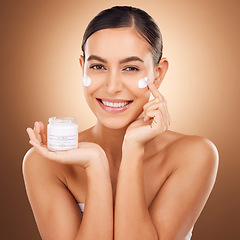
[182, 197]
[97, 220]
[180, 200]
[132, 218]
[55, 210]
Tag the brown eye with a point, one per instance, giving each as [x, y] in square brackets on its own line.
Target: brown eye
[131, 69]
[98, 67]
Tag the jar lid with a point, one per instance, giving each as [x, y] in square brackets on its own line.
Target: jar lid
[62, 120]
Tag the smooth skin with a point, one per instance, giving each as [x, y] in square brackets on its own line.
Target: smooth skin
[138, 179]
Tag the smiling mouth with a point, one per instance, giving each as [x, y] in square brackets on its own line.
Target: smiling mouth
[114, 103]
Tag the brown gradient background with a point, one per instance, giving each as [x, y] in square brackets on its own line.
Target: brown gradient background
[41, 77]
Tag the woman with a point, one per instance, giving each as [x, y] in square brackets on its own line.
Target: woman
[137, 179]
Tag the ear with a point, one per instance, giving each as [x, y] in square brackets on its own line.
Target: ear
[161, 70]
[81, 61]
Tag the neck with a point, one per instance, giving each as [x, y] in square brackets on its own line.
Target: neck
[110, 140]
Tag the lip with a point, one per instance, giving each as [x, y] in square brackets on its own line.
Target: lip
[114, 100]
[111, 109]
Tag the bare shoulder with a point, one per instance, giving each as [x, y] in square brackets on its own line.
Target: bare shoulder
[181, 148]
[34, 164]
[187, 149]
[193, 162]
[31, 160]
[49, 197]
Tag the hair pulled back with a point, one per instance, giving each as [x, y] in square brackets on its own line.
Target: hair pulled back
[126, 16]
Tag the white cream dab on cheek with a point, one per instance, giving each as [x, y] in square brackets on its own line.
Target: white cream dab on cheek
[86, 80]
[142, 83]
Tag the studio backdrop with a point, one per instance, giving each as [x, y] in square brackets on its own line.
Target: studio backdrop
[41, 78]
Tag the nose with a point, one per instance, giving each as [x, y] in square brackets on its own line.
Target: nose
[114, 83]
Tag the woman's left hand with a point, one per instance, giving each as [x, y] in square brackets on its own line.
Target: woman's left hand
[156, 120]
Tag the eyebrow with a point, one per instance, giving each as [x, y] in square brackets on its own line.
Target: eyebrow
[131, 59]
[95, 57]
[125, 60]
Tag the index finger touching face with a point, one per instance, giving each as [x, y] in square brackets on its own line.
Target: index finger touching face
[154, 91]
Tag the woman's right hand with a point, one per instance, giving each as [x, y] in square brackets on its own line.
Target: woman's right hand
[86, 155]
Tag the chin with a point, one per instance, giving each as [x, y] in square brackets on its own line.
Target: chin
[115, 123]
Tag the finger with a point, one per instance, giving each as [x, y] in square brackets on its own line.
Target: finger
[154, 113]
[160, 110]
[43, 150]
[154, 91]
[168, 115]
[153, 116]
[31, 134]
[155, 104]
[157, 120]
[59, 156]
[37, 131]
[165, 114]
[36, 145]
[149, 103]
[43, 133]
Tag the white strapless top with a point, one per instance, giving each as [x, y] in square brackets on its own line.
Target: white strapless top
[188, 237]
[81, 206]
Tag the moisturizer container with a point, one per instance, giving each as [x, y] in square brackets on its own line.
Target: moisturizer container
[62, 133]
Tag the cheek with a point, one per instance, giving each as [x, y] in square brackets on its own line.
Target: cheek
[91, 84]
[142, 83]
[139, 86]
[139, 89]
[86, 80]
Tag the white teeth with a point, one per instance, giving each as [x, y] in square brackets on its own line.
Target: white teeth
[115, 105]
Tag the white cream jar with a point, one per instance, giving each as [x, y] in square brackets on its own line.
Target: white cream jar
[62, 133]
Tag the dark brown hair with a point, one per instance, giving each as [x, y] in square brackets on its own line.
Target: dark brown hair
[124, 16]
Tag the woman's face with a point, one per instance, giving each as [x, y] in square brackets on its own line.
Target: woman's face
[115, 61]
